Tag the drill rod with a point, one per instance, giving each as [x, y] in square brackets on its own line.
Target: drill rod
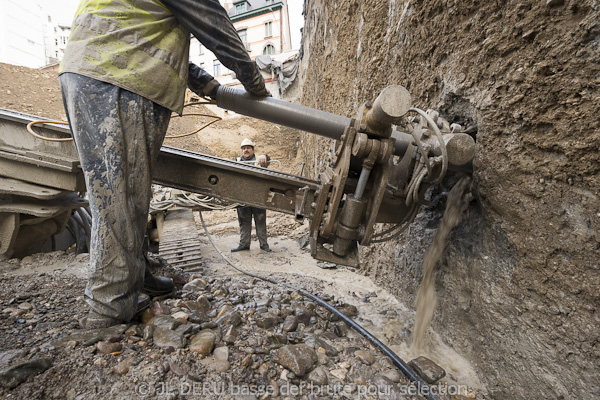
[294, 115]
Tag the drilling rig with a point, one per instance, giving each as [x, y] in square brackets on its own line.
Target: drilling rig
[383, 161]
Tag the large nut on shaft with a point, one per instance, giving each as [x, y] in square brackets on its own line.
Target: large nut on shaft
[391, 104]
[460, 147]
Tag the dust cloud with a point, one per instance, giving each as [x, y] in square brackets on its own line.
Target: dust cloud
[457, 202]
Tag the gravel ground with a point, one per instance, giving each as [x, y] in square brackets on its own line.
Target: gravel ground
[221, 335]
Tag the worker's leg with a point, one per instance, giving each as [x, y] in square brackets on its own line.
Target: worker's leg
[118, 135]
[260, 222]
[245, 220]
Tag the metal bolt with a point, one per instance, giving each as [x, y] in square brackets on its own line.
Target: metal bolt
[213, 179]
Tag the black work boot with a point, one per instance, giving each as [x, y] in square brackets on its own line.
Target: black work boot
[156, 285]
[240, 248]
[95, 321]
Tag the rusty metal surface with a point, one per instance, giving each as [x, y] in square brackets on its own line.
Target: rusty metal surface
[28, 159]
[63, 180]
[9, 229]
[232, 181]
[13, 134]
[41, 208]
[19, 188]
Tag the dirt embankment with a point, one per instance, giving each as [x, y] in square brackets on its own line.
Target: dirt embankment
[37, 92]
[518, 286]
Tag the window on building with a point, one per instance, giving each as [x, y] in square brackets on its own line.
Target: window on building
[268, 29]
[270, 2]
[56, 42]
[269, 50]
[201, 49]
[63, 40]
[216, 68]
[202, 65]
[243, 33]
[241, 7]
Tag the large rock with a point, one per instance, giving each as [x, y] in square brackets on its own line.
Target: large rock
[195, 285]
[88, 337]
[203, 342]
[365, 356]
[123, 367]
[108, 347]
[230, 318]
[196, 305]
[266, 320]
[164, 337]
[303, 315]
[166, 321]
[290, 324]
[427, 369]
[158, 308]
[317, 342]
[318, 377]
[221, 353]
[298, 358]
[198, 317]
[7, 356]
[17, 374]
[204, 304]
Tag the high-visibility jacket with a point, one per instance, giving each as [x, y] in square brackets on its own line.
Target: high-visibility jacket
[137, 45]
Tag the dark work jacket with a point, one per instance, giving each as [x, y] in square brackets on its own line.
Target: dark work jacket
[208, 21]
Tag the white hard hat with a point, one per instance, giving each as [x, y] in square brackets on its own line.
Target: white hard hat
[247, 142]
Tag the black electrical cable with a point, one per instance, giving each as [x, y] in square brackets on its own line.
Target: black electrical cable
[398, 362]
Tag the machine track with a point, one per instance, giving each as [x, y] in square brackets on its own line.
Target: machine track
[180, 242]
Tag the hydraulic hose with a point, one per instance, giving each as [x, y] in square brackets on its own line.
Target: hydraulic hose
[398, 362]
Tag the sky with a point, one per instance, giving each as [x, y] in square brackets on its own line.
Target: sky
[62, 11]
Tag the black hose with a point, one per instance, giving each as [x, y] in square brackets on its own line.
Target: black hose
[398, 362]
[82, 223]
[87, 223]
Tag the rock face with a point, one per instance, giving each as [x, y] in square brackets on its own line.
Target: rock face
[518, 283]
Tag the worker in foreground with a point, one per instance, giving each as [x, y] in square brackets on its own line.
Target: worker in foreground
[245, 213]
[124, 71]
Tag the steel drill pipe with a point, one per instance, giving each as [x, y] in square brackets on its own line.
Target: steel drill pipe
[323, 123]
[293, 115]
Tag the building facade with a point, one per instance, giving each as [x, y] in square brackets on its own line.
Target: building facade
[263, 26]
[55, 40]
[22, 33]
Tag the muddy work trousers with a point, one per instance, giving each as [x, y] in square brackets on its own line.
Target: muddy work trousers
[260, 222]
[118, 135]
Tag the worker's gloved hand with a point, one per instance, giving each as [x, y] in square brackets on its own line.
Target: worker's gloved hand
[263, 160]
[255, 84]
[201, 82]
[261, 92]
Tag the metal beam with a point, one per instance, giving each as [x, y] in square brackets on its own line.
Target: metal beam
[235, 182]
